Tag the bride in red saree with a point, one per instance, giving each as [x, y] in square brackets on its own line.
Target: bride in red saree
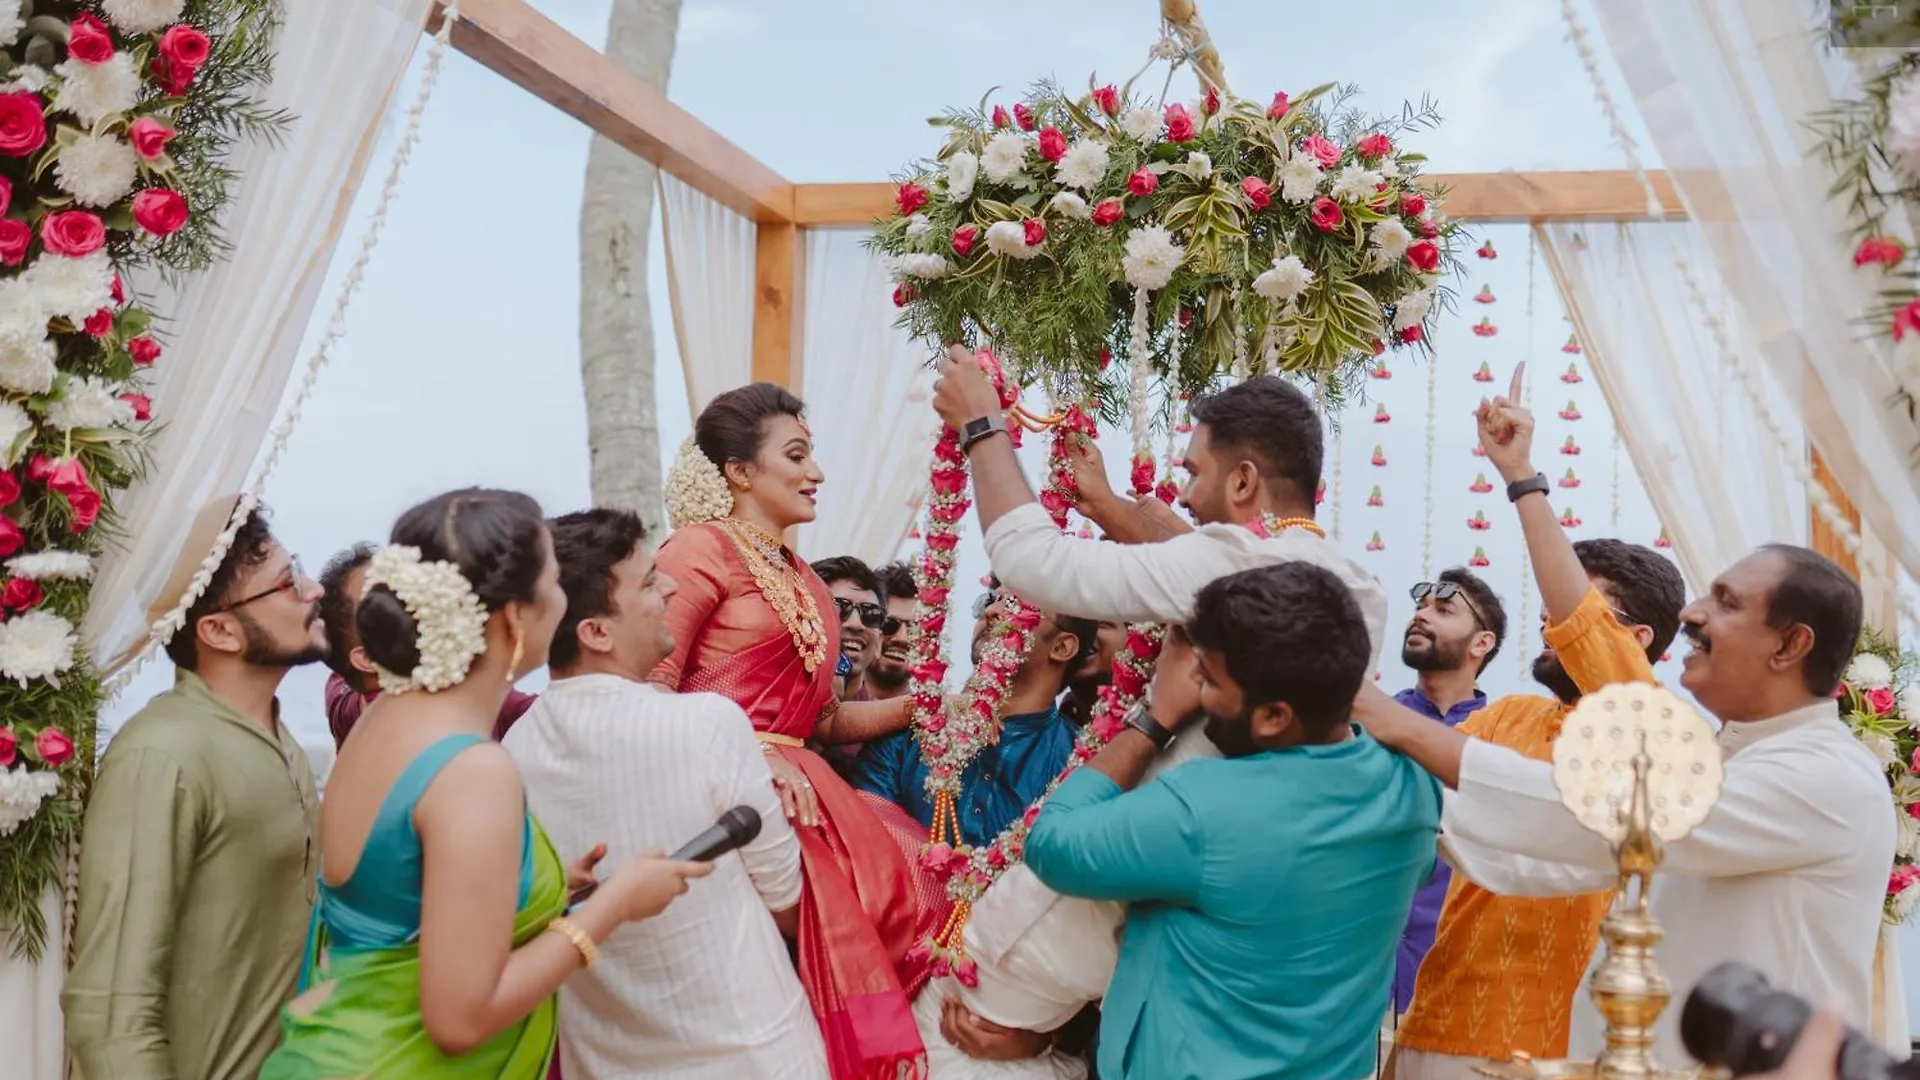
[747, 624]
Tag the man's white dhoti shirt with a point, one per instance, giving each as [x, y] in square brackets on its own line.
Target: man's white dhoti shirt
[704, 990]
[1787, 873]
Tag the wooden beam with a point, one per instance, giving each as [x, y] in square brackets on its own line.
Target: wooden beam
[1821, 536]
[1483, 197]
[538, 55]
[778, 267]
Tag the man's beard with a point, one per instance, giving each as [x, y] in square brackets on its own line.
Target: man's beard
[1548, 673]
[1232, 736]
[262, 651]
[1434, 655]
[885, 674]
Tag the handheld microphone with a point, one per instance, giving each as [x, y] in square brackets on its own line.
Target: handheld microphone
[735, 828]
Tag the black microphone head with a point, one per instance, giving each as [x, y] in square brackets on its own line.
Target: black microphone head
[742, 824]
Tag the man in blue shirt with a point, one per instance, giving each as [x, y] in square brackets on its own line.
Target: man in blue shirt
[1266, 889]
[1035, 738]
[1457, 628]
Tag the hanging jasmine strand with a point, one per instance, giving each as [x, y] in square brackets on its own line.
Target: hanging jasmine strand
[1524, 655]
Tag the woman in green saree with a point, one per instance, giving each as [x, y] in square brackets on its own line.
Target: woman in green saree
[443, 929]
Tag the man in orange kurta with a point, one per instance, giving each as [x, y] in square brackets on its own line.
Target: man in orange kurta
[1503, 971]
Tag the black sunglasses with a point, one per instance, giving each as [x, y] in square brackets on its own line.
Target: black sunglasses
[872, 616]
[1447, 590]
[891, 625]
[297, 575]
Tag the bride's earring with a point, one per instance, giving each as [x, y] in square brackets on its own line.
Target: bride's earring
[519, 651]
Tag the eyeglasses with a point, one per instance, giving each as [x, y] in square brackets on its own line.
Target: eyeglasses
[1447, 590]
[299, 574]
[891, 625]
[872, 616]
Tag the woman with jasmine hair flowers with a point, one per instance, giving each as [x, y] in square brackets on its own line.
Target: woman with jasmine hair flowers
[443, 931]
[749, 623]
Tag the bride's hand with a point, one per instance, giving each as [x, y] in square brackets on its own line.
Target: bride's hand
[580, 874]
[796, 791]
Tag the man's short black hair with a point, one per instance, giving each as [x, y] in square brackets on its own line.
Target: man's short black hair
[1814, 592]
[252, 543]
[1289, 632]
[848, 568]
[896, 582]
[1084, 631]
[336, 608]
[1646, 584]
[1493, 614]
[1272, 422]
[588, 545]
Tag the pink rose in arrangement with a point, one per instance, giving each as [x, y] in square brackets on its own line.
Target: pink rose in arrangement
[89, 41]
[1885, 250]
[144, 350]
[1424, 255]
[186, 46]
[1280, 105]
[100, 323]
[68, 477]
[6, 194]
[964, 238]
[142, 406]
[149, 137]
[1023, 116]
[15, 238]
[23, 124]
[1411, 334]
[1034, 231]
[1901, 878]
[160, 211]
[119, 291]
[54, 747]
[1143, 182]
[9, 488]
[1053, 145]
[1321, 150]
[910, 197]
[1906, 320]
[1107, 98]
[1326, 214]
[1880, 701]
[1109, 210]
[11, 538]
[1000, 117]
[1258, 192]
[73, 233]
[1412, 203]
[21, 594]
[1375, 145]
[1210, 101]
[9, 747]
[1179, 124]
[903, 294]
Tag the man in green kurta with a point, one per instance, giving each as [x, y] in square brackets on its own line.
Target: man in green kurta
[198, 862]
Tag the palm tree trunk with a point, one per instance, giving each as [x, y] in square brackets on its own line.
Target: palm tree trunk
[616, 326]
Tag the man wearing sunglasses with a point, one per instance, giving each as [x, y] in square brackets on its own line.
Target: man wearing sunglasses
[860, 604]
[891, 671]
[197, 866]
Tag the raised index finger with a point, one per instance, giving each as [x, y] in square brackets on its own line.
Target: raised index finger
[1519, 373]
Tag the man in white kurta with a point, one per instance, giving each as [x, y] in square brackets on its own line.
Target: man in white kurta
[704, 991]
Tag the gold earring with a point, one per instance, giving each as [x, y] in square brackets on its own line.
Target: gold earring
[519, 650]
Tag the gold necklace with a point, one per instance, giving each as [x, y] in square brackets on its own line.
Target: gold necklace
[782, 586]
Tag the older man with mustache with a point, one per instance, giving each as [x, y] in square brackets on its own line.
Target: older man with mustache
[1788, 872]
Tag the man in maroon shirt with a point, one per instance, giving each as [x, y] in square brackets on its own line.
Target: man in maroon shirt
[352, 686]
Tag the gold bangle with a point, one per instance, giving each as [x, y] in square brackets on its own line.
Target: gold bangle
[588, 951]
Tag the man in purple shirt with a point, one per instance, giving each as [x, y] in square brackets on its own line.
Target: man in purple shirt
[1457, 627]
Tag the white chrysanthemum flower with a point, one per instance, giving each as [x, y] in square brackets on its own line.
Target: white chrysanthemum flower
[71, 289]
[22, 791]
[1142, 123]
[91, 92]
[1903, 903]
[1006, 155]
[52, 566]
[1083, 166]
[1200, 165]
[1286, 279]
[962, 169]
[89, 402]
[142, 16]
[1355, 184]
[1300, 179]
[1069, 205]
[28, 368]
[1882, 747]
[1010, 238]
[1411, 309]
[1909, 705]
[918, 226]
[1151, 258]
[35, 645]
[30, 77]
[1389, 167]
[97, 170]
[1869, 672]
[11, 22]
[1909, 836]
[1903, 123]
[696, 489]
[1391, 239]
[14, 422]
[924, 267]
[450, 621]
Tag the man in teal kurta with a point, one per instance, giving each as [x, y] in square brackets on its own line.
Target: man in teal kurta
[197, 861]
[1266, 889]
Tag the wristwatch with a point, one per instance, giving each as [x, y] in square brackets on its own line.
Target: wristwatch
[981, 427]
[1520, 489]
[1140, 718]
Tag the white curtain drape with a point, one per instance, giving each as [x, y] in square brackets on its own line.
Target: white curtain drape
[231, 337]
[1712, 471]
[866, 384]
[1726, 88]
[710, 252]
[235, 331]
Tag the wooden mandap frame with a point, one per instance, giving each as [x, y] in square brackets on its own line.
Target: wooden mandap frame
[532, 51]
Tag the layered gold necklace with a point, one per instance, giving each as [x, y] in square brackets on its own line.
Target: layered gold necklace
[782, 586]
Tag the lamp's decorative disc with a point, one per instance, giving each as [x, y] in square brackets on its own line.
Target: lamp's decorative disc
[1593, 760]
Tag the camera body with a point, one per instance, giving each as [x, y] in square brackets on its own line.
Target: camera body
[1735, 1020]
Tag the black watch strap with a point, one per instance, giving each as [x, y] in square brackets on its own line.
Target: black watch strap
[979, 428]
[1520, 489]
[1140, 718]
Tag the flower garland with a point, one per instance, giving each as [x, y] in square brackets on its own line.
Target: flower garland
[950, 740]
[451, 619]
[116, 123]
[1880, 701]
